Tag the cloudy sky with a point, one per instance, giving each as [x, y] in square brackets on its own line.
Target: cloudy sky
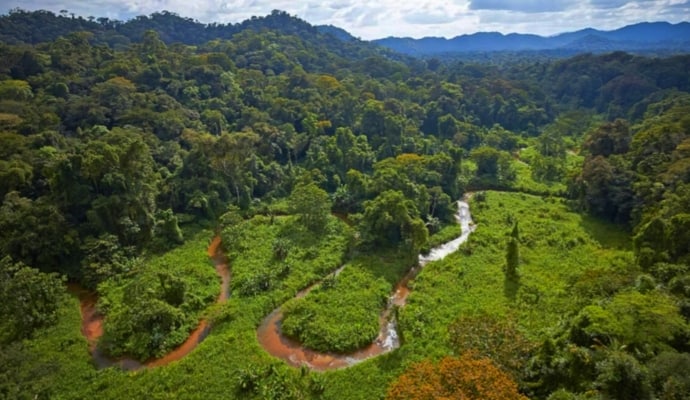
[369, 19]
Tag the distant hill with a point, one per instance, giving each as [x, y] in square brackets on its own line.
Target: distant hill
[32, 27]
[336, 32]
[644, 36]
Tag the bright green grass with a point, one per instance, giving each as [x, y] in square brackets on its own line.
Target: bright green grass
[524, 181]
[556, 247]
[256, 270]
[446, 234]
[214, 368]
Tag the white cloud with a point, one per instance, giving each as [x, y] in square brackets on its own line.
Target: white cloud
[432, 13]
[524, 6]
[606, 4]
[415, 18]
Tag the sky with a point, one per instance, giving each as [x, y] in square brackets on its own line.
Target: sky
[373, 19]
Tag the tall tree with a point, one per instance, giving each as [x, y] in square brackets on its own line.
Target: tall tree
[390, 220]
[311, 204]
[513, 253]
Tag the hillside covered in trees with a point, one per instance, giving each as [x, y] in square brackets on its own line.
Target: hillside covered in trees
[126, 147]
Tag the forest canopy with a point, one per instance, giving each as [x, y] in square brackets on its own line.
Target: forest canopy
[124, 143]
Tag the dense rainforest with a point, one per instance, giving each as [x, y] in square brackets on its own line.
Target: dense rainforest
[324, 162]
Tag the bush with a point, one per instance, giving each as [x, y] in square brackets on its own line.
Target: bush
[341, 316]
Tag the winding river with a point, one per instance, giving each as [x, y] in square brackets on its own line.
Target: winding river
[269, 333]
[274, 342]
[92, 321]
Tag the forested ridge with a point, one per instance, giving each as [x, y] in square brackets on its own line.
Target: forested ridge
[125, 145]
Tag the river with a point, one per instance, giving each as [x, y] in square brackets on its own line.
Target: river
[92, 321]
[278, 345]
[269, 334]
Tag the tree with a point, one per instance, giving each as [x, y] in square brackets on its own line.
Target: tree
[495, 337]
[486, 159]
[644, 323]
[392, 219]
[492, 165]
[621, 377]
[120, 169]
[650, 243]
[233, 155]
[15, 90]
[513, 254]
[551, 164]
[215, 121]
[35, 232]
[311, 204]
[448, 126]
[116, 95]
[609, 138]
[167, 232]
[29, 299]
[465, 378]
[606, 187]
[669, 376]
[104, 258]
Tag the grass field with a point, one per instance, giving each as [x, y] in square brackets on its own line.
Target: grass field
[557, 248]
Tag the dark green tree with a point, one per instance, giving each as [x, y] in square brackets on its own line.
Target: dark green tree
[103, 258]
[312, 204]
[513, 253]
[35, 232]
[621, 377]
[29, 299]
[392, 219]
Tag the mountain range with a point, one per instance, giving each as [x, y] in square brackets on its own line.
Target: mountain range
[646, 36]
[40, 26]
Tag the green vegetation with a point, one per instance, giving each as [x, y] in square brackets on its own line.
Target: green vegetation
[340, 315]
[148, 316]
[311, 204]
[446, 234]
[53, 363]
[556, 248]
[29, 300]
[276, 257]
[124, 145]
[513, 254]
[570, 266]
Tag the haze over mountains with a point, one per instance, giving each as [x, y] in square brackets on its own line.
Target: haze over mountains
[39, 26]
[647, 36]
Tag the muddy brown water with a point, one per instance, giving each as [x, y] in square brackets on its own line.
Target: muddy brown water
[278, 345]
[269, 333]
[92, 321]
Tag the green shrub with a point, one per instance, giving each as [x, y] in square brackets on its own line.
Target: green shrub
[341, 316]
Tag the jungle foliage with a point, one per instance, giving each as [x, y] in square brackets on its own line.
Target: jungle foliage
[124, 145]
